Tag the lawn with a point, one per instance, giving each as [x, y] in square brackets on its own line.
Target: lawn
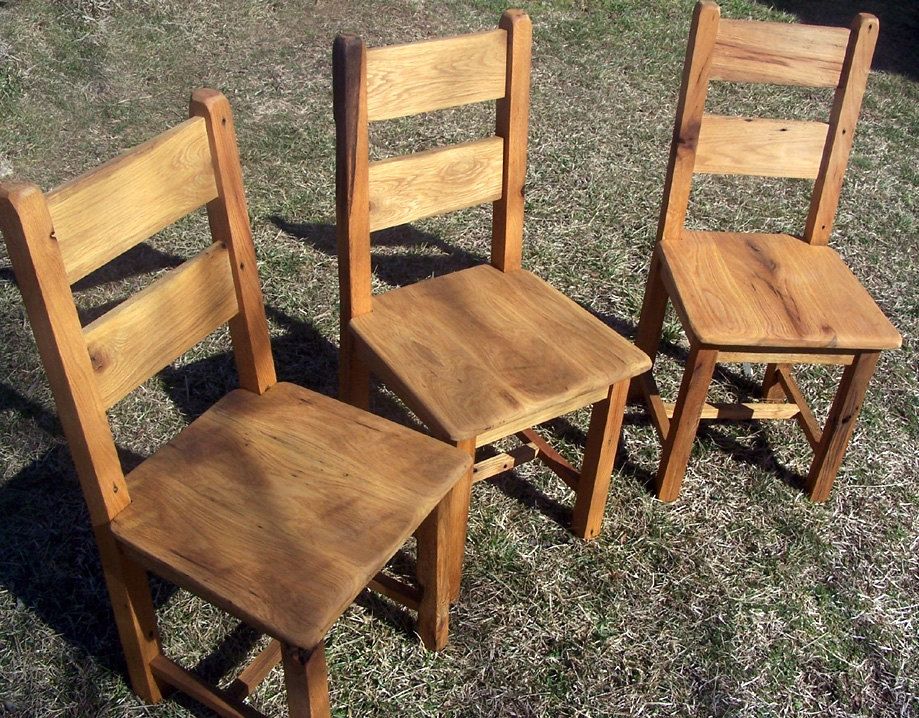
[740, 599]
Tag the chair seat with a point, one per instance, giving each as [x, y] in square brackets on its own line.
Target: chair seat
[281, 507]
[479, 351]
[770, 291]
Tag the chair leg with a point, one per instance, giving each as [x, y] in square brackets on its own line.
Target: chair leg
[432, 569]
[307, 681]
[132, 604]
[840, 424]
[599, 454]
[685, 422]
[651, 319]
[456, 505]
[772, 389]
[353, 373]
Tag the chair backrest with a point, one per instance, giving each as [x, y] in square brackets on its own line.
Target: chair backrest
[395, 81]
[56, 239]
[773, 53]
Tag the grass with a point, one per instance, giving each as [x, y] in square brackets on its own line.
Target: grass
[741, 599]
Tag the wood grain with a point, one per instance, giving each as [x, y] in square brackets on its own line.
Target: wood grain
[839, 426]
[43, 281]
[352, 190]
[770, 291]
[599, 454]
[754, 146]
[779, 53]
[424, 76]
[228, 217]
[487, 351]
[306, 678]
[742, 411]
[691, 102]
[140, 336]
[805, 417]
[847, 104]
[207, 695]
[512, 114]
[239, 506]
[677, 447]
[108, 210]
[403, 189]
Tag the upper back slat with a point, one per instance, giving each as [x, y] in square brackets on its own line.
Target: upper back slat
[143, 334]
[435, 74]
[104, 213]
[779, 53]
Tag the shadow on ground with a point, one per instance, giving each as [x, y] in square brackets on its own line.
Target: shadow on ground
[898, 42]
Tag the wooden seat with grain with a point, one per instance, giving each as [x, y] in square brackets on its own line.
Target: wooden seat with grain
[776, 299]
[486, 352]
[277, 504]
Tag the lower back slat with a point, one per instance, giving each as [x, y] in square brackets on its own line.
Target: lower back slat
[142, 335]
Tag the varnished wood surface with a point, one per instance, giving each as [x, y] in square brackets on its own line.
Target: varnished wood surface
[756, 146]
[779, 52]
[280, 508]
[486, 349]
[770, 290]
[847, 104]
[435, 74]
[108, 210]
[133, 341]
[403, 189]
[512, 115]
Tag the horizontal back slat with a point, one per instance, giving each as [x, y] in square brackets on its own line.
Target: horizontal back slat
[140, 336]
[424, 76]
[403, 189]
[779, 53]
[766, 148]
[105, 212]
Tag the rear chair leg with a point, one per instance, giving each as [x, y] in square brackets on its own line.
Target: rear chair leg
[772, 389]
[353, 373]
[307, 681]
[651, 319]
[685, 422]
[840, 424]
[132, 604]
[432, 571]
[599, 455]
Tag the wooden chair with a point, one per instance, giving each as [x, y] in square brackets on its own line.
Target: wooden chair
[486, 352]
[277, 504]
[769, 298]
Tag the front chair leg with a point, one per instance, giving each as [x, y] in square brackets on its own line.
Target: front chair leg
[685, 422]
[840, 424]
[456, 505]
[772, 390]
[307, 681]
[432, 571]
[599, 454]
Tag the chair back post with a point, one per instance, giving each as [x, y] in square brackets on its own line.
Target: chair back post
[512, 123]
[352, 184]
[693, 92]
[229, 223]
[39, 268]
[847, 104]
